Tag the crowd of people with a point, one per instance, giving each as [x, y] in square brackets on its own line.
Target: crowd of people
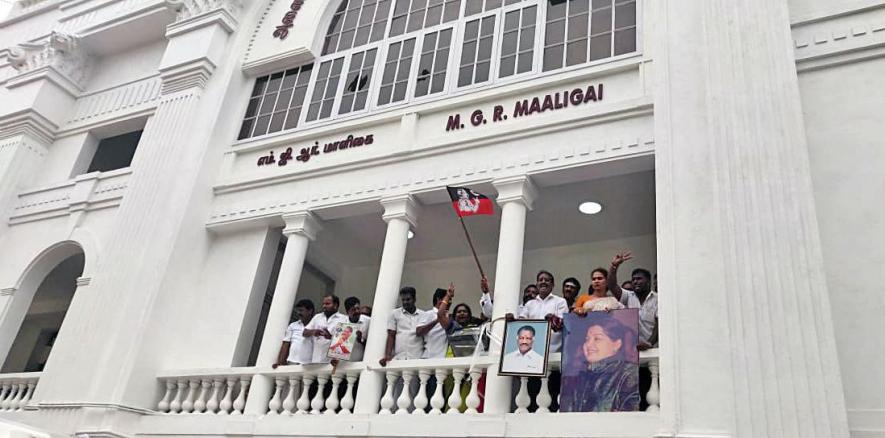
[413, 333]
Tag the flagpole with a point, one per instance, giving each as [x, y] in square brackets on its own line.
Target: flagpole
[472, 249]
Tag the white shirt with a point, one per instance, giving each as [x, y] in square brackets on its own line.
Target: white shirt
[436, 342]
[359, 349]
[539, 309]
[648, 312]
[530, 362]
[408, 344]
[300, 348]
[487, 305]
[320, 343]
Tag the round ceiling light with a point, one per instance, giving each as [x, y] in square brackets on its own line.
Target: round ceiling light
[411, 234]
[590, 207]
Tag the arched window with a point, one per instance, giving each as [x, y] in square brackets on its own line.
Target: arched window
[381, 53]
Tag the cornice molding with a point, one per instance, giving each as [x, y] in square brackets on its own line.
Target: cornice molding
[30, 123]
[59, 58]
[193, 74]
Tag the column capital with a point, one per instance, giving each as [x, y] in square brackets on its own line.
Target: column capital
[516, 189]
[401, 207]
[303, 223]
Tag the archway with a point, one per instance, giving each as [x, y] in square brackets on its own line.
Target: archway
[38, 308]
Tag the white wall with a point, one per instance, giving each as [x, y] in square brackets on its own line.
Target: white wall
[844, 120]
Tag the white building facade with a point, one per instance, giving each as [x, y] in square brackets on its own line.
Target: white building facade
[175, 175]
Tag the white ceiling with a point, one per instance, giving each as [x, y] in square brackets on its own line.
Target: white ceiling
[625, 189]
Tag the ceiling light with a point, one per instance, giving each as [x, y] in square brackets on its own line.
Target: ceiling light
[590, 207]
[411, 234]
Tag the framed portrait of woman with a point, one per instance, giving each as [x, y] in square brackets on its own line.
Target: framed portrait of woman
[526, 347]
[600, 362]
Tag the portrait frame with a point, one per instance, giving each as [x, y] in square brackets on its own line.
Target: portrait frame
[600, 362]
[348, 344]
[509, 346]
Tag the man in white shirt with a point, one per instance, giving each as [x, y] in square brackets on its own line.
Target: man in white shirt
[403, 341]
[435, 325]
[355, 316]
[524, 359]
[548, 306]
[297, 349]
[641, 297]
[320, 327]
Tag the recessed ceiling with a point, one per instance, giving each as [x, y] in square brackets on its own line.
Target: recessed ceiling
[629, 210]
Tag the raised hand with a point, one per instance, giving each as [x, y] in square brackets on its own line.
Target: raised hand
[621, 258]
[484, 284]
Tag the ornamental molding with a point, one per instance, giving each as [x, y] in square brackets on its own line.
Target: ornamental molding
[840, 38]
[199, 13]
[8, 291]
[60, 53]
[28, 123]
[194, 74]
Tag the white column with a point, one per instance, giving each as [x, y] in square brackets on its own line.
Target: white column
[300, 229]
[747, 344]
[515, 196]
[400, 213]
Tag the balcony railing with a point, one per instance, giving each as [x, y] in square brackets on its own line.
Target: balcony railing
[16, 390]
[316, 389]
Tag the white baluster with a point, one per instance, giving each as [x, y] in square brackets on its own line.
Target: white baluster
[304, 400]
[175, 406]
[522, 397]
[212, 404]
[28, 394]
[10, 397]
[240, 402]
[227, 402]
[544, 399]
[332, 402]
[317, 403]
[404, 402]
[200, 404]
[289, 403]
[163, 405]
[455, 398]
[19, 401]
[473, 396]
[188, 405]
[273, 408]
[387, 400]
[438, 401]
[653, 397]
[347, 402]
[4, 393]
[421, 398]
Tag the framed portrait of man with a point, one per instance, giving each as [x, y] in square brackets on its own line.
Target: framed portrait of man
[526, 346]
[343, 340]
[600, 362]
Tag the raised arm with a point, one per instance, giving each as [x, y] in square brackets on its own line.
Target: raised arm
[442, 313]
[487, 300]
[613, 284]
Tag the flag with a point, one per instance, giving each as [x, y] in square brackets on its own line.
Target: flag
[468, 203]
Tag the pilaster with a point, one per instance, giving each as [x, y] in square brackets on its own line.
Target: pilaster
[744, 315]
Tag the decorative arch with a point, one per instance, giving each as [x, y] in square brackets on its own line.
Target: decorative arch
[21, 295]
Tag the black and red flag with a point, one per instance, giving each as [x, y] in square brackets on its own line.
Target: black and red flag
[468, 202]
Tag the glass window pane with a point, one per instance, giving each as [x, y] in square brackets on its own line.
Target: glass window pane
[473, 7]
[625, 15]
[556, 9]
[453, 9]
[525, 62]
[555, 33]
[625, 41]
[576, 52]
[508, 65]
[261, 125]
[260, 85]
[600, 46]
[292, 118]
[552, 57]
[508, 43]
[252, 108]
[482, 71]
[276, 122]
[601, 4]
[527, 39]
[601, 21]
[246, 129]
[577, 27]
